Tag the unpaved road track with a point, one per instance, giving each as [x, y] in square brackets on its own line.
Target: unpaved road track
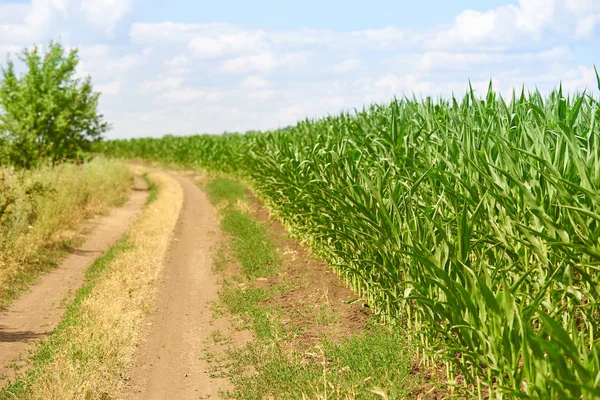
[38, 312]
[169, 362]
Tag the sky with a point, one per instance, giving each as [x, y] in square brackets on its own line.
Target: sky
[197, 66]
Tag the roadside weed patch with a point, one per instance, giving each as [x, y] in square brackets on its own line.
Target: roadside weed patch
[42, 214]
[275, 365]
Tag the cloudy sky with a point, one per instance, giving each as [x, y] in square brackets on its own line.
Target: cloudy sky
[207, 66]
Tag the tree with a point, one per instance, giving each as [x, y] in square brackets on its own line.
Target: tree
[47, 113]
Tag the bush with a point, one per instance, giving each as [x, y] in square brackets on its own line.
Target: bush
[47, 113]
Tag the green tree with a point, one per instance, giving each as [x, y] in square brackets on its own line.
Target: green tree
[47, 113]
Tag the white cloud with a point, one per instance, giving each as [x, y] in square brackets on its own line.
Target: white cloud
[520, 24]
[11, 12]
[390, 84]
[231, 44]
[180, 61]
[587, 25]
[534, 15]
[42, 14]
[173, 32]
[215, 40]
[210, 77]
[179, 96]
[474, 27]
[255, 82]
[347, 65]
[160, 84]
[110, 88]
[106, 13]
[419, 84]
[431, 61]
[44, 19]
[207, 48]
[582, 7]
[303, 37]
[261, 95]
[580, 79]
[99, 51]
[8, 49]
[123, 64]
[265, 62]
[385, 37]
[188, 95]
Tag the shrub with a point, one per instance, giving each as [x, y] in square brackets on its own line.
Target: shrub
[47, 113]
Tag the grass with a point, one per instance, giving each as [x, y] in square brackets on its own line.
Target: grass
[250, 244]
[224, 190]
[88, 353]
[255, 252]
[248, 305]
[42, 214]
[120, 202]
[152, 189]
[273, 366]
[42, 261]
[375, 365]
[45, 351]
[325, 315]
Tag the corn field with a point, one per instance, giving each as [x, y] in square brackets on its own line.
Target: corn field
[474, 221]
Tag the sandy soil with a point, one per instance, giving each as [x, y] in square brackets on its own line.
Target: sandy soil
[37, 312]
[170, 362]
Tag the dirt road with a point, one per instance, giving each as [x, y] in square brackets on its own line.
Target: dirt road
[38, 312]
[169, 364]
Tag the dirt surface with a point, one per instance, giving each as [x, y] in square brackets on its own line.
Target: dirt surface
[37, 312]
[170, 363]
[317, 291]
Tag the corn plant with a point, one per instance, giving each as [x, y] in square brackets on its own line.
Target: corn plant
[475, 221]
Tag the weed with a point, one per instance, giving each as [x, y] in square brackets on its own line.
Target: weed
[152, 189]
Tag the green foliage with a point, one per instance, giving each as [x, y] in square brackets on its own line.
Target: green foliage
[251, 245]
[219, 153]
[474, 221]
[373, 366]
[220, 190]
[47, 113]
[247, 305]
[257, 254]
[152, 189]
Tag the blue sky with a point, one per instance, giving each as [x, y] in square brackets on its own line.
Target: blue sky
[329, 14]
[189, 66]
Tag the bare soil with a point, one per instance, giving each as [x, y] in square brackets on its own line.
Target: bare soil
[36, 313]
[316, 290]
[170, 363]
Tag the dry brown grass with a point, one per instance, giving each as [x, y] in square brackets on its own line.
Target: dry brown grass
[94, 352]
[43, 211]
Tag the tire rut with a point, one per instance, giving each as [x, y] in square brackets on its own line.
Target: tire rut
[170, 361]
[36, 313]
